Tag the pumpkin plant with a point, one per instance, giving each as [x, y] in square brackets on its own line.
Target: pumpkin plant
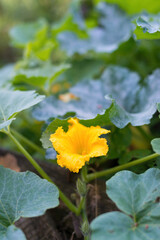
[93, 80]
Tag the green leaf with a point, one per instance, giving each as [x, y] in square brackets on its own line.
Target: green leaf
[68, 24]
[6, 75]
[26, 32]
[135, 6]
[13, 102]
[132, 101]
[148, 27]
[133, 106]
[41, 47]
[102, 38]
[156, 145]
[12, 233]
[158, 107]
[132, 192]
[23, 195]
[82, 69]
[72, 21]
[136, 196]
[116, 225]
[91, 96]
[40, 76]
[35, 38]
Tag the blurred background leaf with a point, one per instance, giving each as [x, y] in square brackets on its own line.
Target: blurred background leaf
[136, 6]
[148, 27]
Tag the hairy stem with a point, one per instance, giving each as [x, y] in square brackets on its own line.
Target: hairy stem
[82, 207]
[110, 171]
[28, 142]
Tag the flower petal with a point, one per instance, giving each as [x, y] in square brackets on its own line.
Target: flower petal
[61, 141]
[99, 148]
[72, 162]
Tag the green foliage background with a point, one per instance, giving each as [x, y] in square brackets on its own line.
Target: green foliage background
[14, 12]
[97, 61]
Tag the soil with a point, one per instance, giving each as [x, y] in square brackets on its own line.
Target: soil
[59, 223]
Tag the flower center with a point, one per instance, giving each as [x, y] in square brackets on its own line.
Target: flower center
[80, 147]
[81, 151]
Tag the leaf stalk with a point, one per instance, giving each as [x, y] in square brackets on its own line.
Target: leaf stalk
[113, 170]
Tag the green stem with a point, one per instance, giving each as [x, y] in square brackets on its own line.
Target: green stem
[134, 218]
[67, 202]
[86, 238]
[110, 171]
[28, 142]
[84, 173]
[82, 206]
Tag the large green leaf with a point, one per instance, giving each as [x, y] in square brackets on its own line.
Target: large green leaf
[148, 27]
[23, 195]
[120, 117]
[26, 32]
[85, 108]
[132, 101]
[102, 38]
[136, 196]
[12, 233]
[116, 225]
[40, 76]
[91, 95]
[13, 102]
[136, 6]
[82, 69]
[132, 192]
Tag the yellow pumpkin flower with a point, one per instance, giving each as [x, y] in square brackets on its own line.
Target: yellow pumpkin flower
[78, 144]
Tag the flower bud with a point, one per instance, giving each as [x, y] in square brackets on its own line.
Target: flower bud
[85, 228]
[81, 187]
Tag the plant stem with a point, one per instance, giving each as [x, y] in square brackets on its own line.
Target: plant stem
[83, 199]
[82, 207]
[84, 173]
[67, 202]
[28, 142]
[110, 171]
